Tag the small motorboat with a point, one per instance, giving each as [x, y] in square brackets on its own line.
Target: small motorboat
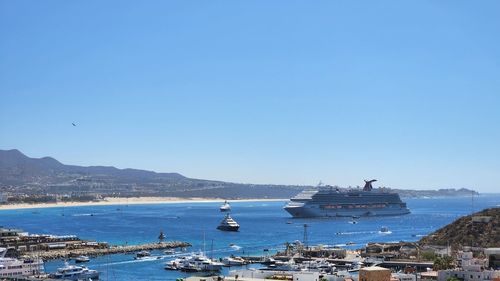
[384, 230]
[233, 261]
[81, 259]
[169, 251]
[142, 255]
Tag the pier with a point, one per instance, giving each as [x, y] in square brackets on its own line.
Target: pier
[64, 253]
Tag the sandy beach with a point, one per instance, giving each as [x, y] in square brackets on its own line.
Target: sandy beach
[129, 201]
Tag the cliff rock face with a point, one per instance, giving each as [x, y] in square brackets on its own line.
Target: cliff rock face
[481, 229]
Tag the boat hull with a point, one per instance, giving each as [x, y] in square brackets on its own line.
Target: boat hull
[228, 228]
[315, 211]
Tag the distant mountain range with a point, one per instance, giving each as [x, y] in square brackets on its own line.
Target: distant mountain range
[24, 177]
[20, 174]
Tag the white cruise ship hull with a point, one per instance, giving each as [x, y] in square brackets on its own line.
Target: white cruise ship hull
[314, 211]
[335, 203]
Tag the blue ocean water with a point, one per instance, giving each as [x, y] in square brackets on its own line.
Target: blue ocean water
[264, 225]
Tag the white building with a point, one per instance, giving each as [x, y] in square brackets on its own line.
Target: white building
[470, 269]
[265, 274]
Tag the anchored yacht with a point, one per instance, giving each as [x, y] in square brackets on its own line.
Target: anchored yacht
[225, 207]
[228, 224]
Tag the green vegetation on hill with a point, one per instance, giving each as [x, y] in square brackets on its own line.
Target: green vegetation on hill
[481, 229]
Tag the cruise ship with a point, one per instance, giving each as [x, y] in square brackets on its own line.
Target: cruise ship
[331, 201]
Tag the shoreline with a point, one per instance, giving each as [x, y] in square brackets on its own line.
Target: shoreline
[109, 201]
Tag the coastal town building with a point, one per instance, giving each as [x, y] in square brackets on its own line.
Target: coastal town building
[21, 241]
[374, 273]
[493, 256]
[256, 275]
[470, 269]
[430, 275]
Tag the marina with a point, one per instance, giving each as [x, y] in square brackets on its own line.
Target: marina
[257, 248]
[93, 252]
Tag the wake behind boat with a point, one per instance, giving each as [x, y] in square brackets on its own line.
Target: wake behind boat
[333, 202]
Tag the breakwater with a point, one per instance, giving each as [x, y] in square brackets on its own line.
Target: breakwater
[87, 251]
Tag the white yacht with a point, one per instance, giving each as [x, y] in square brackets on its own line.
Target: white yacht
[80, 259]
[194, 263]
[75, 272]
[228, 224]
[225, 207]
[11, 267]
[200, 262]
[233, 261]
[289, 265]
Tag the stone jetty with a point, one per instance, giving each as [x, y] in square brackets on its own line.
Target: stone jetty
[88, 251]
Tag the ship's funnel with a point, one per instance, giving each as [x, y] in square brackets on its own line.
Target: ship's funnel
[368, 185]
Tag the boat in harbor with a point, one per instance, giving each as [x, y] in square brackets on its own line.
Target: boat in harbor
[75, 272]
[13, 267]
[333, 202]
[81, 259]
[384, 230]
[225, 207]
[142, 255]
[169, 251]
[233, 261]
[198, 262]
[228, 224]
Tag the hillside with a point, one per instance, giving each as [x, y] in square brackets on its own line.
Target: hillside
[481, 229]
[45, 179]
[22, 176]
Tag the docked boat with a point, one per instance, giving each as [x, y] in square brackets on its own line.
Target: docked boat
[75, 272]
[268, 261]
[318, 265]
[13, 267]
[198, 263]
[175, 264]
[334, 202]
[225, 207]
[81, 259]
[289, 265]
[233, 261]
[228, 224]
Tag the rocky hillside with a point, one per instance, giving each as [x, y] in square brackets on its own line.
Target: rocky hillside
[481, 229]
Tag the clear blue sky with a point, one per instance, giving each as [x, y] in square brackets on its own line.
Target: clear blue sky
[285, 92]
